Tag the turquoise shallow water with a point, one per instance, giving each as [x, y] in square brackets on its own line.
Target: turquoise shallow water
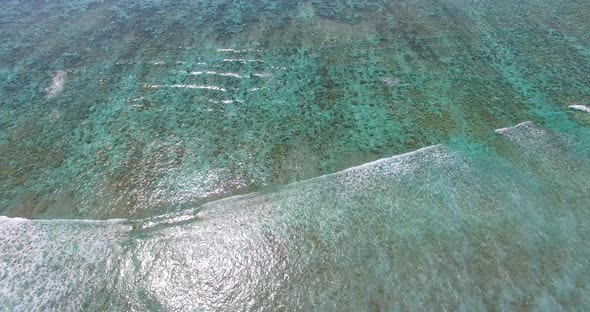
[239, 156]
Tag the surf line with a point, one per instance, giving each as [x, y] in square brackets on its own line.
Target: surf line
[580, 107]
[190, 214]
[374, 163]
[522, 124]
[82, 221]
[187, 86]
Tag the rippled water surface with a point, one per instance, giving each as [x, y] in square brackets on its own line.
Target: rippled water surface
[294, 155]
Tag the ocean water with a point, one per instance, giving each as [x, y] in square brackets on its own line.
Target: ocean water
[294, 155]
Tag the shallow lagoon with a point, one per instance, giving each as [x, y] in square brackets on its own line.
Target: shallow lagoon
[215, 140]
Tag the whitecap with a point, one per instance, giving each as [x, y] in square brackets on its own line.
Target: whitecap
[580, 107]
[58, 81]
[520, 125]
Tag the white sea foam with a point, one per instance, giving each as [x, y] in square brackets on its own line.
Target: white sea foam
[58, 81]
[258, 89]
[507, 129]
[580, 107]
[263, 74]
[5, 219]
[209, 72]
[348, 180]
[187, 86]
[243, 60]
[225, 101]
[237, 50]
[232, 50]
[153, 62]
[389, 160]
[534, 141]
[55, 264]
[526, 133]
